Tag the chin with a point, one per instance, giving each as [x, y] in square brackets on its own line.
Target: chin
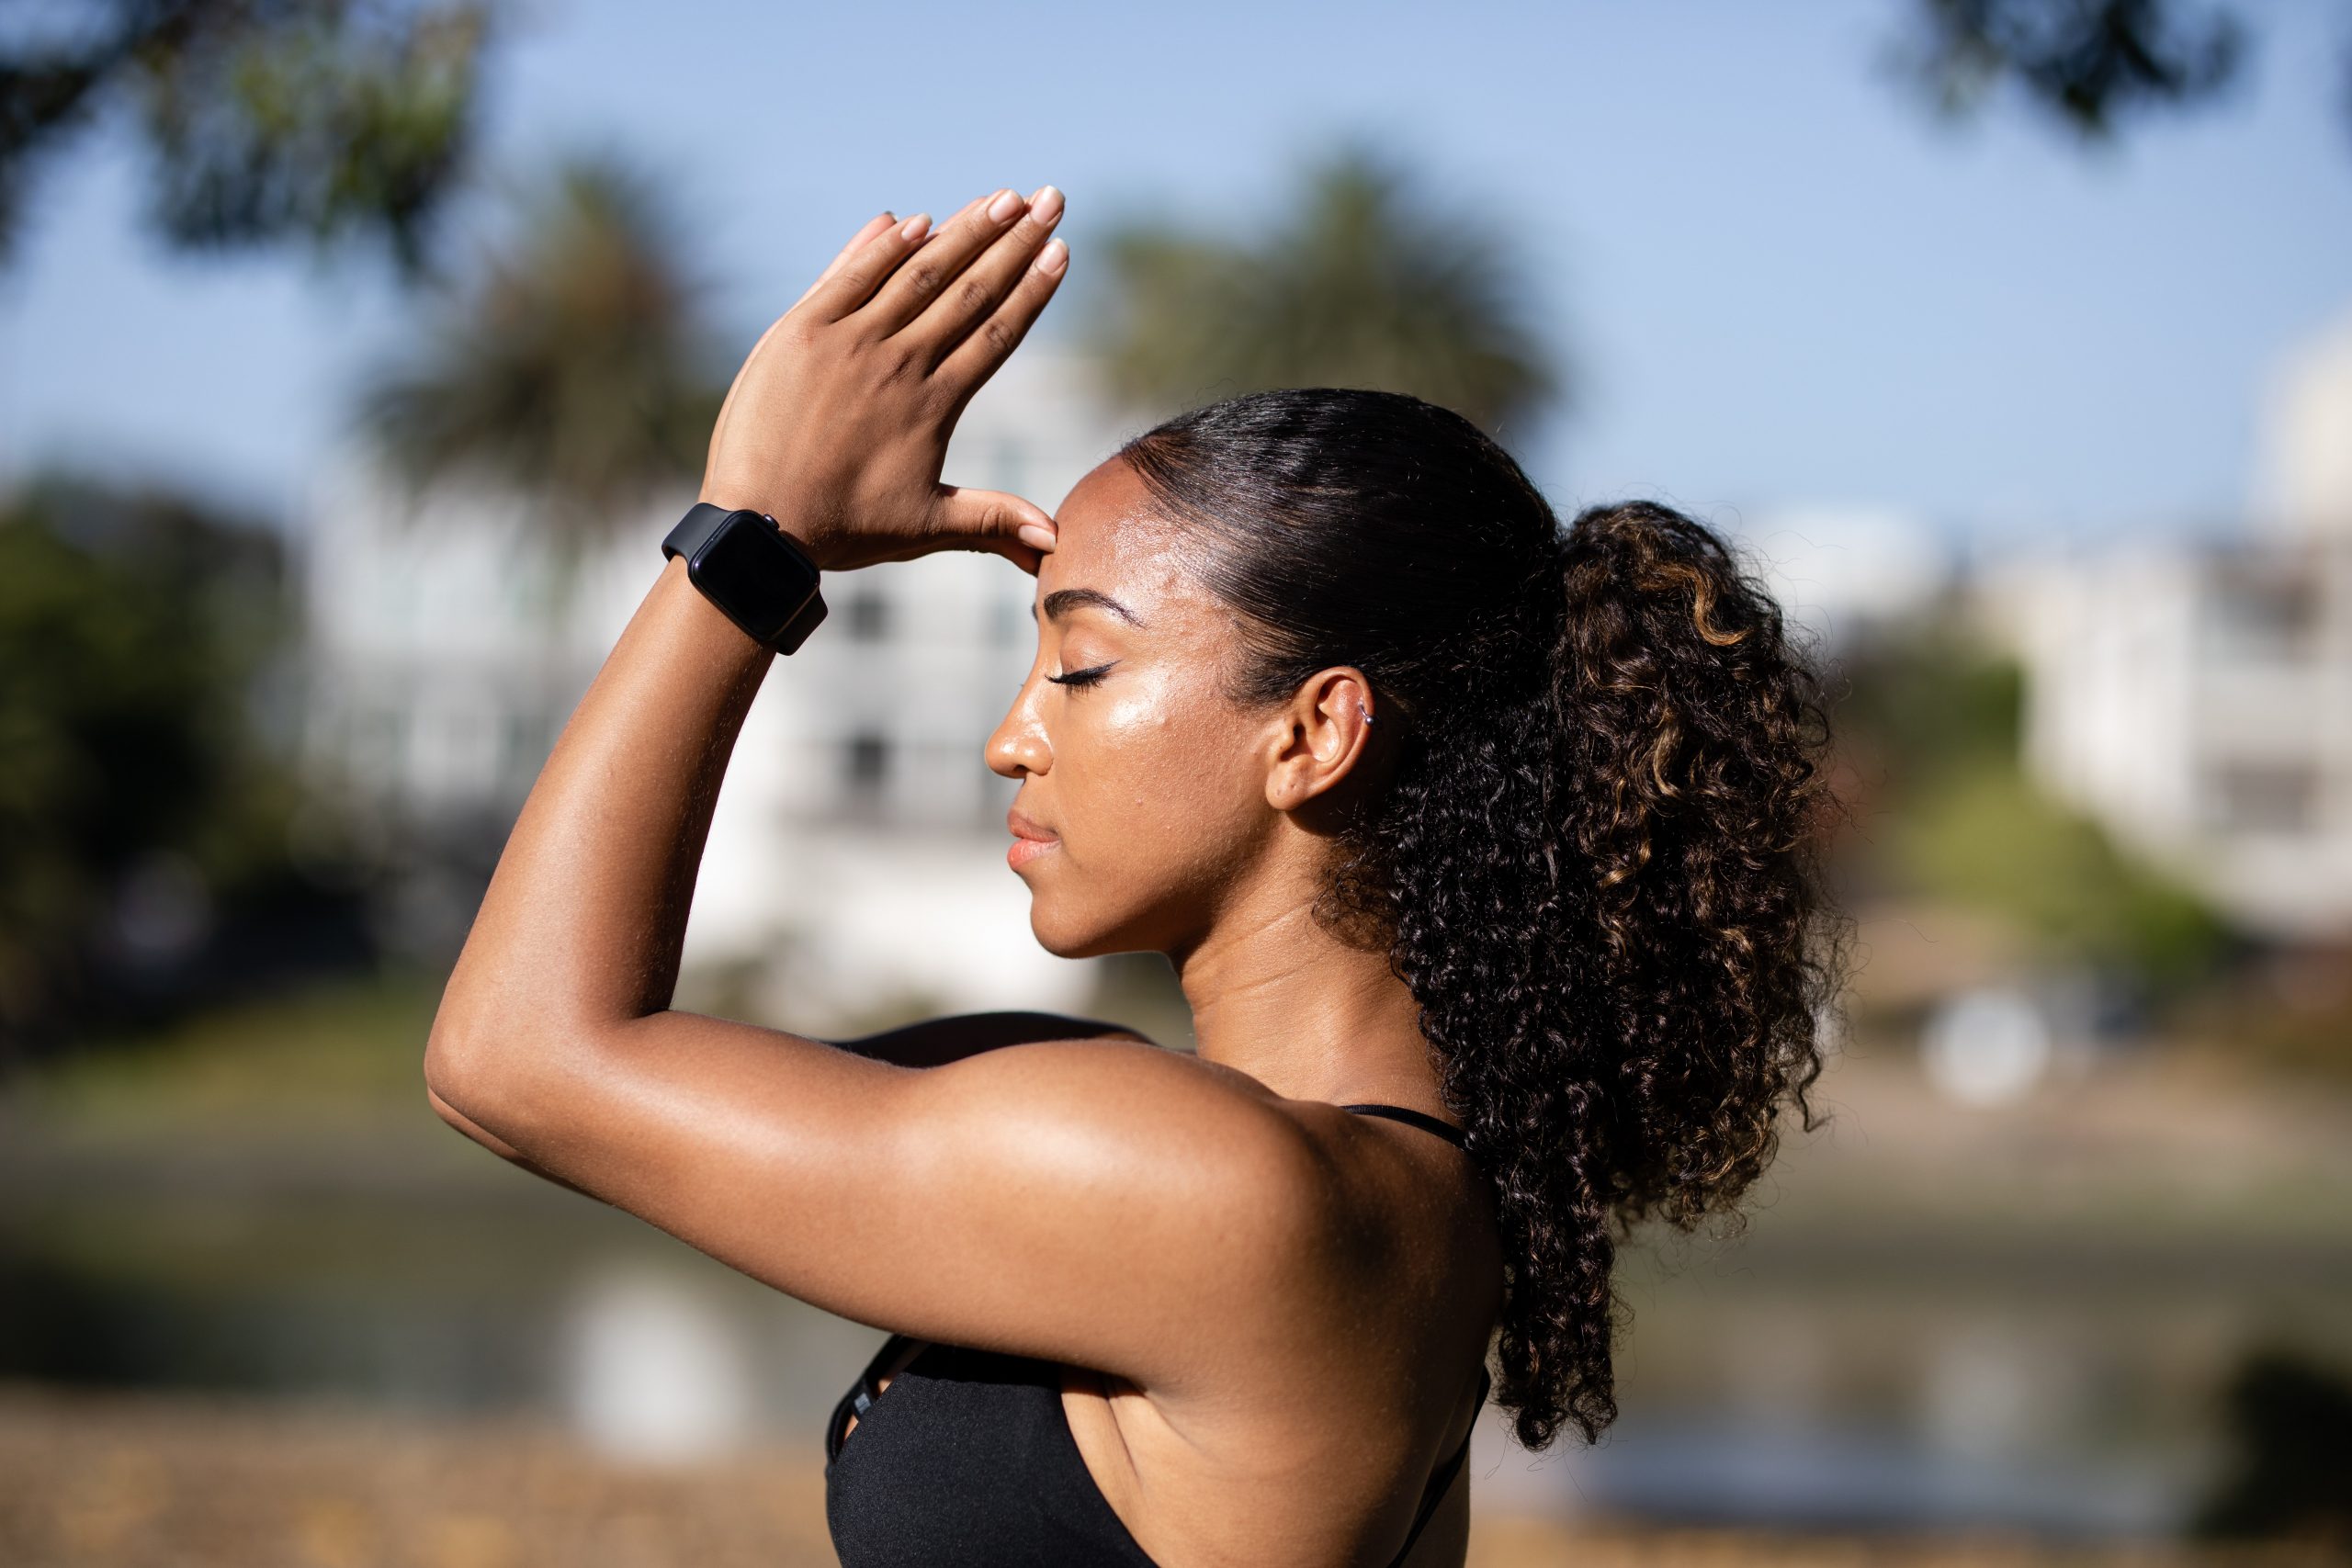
[1063, 942]
[1068, 933]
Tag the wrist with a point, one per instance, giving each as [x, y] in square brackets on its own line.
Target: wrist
[760, 575]
[790, 519]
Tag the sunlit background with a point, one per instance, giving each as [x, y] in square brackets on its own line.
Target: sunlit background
[354, 356]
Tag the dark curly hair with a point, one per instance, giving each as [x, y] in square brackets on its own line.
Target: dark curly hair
[1594, 860]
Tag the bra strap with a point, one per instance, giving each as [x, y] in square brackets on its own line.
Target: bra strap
[1442, 1482]
[1420, 1119]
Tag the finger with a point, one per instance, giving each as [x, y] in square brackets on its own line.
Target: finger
[992, 520]
[866, 269]
[948, 319]
[874, 226]
[936, 266]
[987, 347]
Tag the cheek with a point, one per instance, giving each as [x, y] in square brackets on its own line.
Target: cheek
[1162, 777]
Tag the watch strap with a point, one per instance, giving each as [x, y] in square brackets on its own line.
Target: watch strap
[701, 520]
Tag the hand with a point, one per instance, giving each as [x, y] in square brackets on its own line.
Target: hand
[837, 424]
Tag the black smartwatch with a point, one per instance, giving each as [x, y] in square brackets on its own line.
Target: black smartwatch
[748, 567]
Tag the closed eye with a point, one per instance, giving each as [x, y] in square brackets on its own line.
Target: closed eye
[1082, 677]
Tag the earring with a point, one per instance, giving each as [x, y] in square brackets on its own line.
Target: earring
[1367, 716]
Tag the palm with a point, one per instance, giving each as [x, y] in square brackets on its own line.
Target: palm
[1359, 289]
[572, 374]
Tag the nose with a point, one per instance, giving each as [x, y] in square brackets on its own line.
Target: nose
[1017, 746]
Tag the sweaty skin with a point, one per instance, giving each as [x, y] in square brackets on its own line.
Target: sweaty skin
[1270, 1311]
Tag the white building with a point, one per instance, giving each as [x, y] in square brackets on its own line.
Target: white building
[2198, 697]
[1841, 572]
[855, 860]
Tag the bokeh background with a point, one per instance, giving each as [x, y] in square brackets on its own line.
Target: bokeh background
[356, 353]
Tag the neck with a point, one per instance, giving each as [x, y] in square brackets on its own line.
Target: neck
[1276, 997]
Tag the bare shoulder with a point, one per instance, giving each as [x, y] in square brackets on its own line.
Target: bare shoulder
[1175, 1210]
[1154, 1114]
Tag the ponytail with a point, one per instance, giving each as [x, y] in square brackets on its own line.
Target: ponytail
[1594, 865]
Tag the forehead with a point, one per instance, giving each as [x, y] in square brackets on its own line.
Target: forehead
[1111, 537]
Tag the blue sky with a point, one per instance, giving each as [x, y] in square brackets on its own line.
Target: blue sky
[1783, 286]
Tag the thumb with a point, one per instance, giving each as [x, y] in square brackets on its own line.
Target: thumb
[993, 520]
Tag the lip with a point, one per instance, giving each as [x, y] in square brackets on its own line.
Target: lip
[1029, 840]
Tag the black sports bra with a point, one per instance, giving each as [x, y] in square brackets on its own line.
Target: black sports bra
[970, 1460]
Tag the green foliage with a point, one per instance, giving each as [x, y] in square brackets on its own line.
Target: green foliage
[1930, 727]
[2091, 62]
[575, 371]
[267, 119]
[1365, 284]
[1929, 700]
[1986, 838]
[131, 629]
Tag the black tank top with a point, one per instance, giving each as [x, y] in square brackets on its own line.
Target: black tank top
[970, 1459]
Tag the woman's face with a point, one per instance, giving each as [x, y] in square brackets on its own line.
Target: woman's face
[1149, 787]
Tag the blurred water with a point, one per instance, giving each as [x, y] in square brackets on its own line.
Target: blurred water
[2067, 1394]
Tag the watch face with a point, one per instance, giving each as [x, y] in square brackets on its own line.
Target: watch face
[748, 570]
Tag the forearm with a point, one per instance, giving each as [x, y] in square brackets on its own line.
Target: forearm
[585, 916]
[834, 426]
[495, 1145]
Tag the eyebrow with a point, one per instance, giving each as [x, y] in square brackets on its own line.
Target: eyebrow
[1062, 601]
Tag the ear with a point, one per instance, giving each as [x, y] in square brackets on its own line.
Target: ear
[1322, 735]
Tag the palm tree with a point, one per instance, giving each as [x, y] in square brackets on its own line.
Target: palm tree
[1366, 285]
[574, 374]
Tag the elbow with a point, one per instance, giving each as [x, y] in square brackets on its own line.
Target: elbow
[443, 1056]
[444, 1110]
[498, 1078]
[456, 1084]
[444, 1073]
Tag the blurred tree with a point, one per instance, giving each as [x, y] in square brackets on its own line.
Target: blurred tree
[265, 120]
[2091, 62]
[132, 629]
[574, 373]
[1929, 724]
[1363, 285]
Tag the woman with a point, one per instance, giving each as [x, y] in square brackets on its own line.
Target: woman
[1479, 850]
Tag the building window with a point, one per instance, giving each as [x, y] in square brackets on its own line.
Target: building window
[866, 769]
[2270, 798]
[2267, 617]
[868, 615]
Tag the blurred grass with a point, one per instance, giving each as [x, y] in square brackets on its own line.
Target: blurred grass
[350, 1048]
[1984, 836]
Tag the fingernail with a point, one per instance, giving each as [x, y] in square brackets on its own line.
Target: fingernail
[1053, 258]
[1005, 206]
[1034, 535]
[1045, 207]
[915, 227]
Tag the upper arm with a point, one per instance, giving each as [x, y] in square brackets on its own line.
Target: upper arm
[1098, 1202]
